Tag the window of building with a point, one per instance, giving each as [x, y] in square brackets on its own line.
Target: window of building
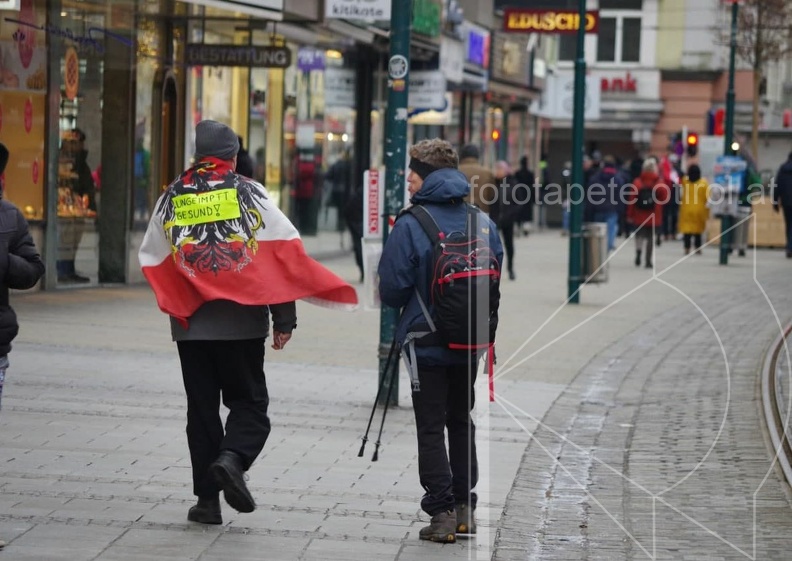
[606, 42]
[619, 38]
[631, 40]
[567, 46]
[621, 4]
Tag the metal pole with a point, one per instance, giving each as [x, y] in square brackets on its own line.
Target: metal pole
[728, 138]
[395, 163]
[576, 190]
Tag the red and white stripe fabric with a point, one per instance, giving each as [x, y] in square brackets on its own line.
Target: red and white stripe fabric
[254, 258]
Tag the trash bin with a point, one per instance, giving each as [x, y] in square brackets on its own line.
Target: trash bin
[595, 251]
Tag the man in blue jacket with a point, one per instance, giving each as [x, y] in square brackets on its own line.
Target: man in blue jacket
[445, 392]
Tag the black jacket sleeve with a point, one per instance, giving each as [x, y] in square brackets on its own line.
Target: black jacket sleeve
[284, 317]
[25, 266]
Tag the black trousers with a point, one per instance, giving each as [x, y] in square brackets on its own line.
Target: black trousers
[507, 234]
[788, 222]
[235, 370]
[446, 398]
[696, 238]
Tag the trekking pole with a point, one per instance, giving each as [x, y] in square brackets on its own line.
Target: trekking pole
[375, 457]
[376, 400]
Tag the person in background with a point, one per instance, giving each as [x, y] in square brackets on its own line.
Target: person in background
[481, 179]
[693, 211]
[353, 215]
[244, 161]
[603, 200]
[525, 194]
[20, 268]
[669, 175]
[643, 210]
[782, 199]
[505, 212]
[340, 178]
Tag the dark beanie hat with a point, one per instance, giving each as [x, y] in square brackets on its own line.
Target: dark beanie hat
[216, 140]
[3, 157]
[469, 151]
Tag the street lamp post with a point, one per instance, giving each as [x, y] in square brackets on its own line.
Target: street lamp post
[576, 189]
[726, 220]
[395, 163]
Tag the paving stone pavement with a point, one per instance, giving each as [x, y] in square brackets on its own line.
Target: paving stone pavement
[656, 450]
[94, 462]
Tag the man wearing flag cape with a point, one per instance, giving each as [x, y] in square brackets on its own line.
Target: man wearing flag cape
[221, 257]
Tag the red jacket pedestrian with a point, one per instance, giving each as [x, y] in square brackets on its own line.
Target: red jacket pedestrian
[645, 210]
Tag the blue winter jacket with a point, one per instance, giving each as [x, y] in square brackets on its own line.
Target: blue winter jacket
[408, 254]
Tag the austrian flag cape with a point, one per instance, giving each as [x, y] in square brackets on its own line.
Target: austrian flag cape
[216, 235]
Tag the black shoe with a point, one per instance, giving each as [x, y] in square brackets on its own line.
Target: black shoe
[207, 511]
[648, 265]
[512, 276]
[637, 258]
[741, 253]
[228, 473]
[659, 241]
[73, 278]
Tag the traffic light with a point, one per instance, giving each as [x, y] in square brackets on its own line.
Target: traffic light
[692, 142]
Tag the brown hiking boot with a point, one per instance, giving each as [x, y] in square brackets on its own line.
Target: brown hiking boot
[466, 521]
[442, 529]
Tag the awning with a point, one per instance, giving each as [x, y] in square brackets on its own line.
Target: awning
[265, 9]
[519, 93]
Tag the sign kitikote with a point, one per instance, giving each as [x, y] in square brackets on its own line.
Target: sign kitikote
[371, 10]
[200, 54]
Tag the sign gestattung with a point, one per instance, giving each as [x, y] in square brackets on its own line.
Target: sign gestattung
[200, 54]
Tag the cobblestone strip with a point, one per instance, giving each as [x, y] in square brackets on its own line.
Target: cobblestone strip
[608, 475]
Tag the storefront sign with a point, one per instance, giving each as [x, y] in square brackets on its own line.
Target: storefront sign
[548, 21]
[426, 17]
[371, 10]
[627, 84]
[478, 46]
[511, 58]
[339, 87]
[310, 59]
[558, 98]
[10, 4]
[199, 54]
[452, 59]
[427, 89]
[373, 202]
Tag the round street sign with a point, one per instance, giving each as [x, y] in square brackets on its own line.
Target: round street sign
[397, 67]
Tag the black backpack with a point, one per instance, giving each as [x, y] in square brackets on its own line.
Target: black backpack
[465, 285]
[645, 199]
